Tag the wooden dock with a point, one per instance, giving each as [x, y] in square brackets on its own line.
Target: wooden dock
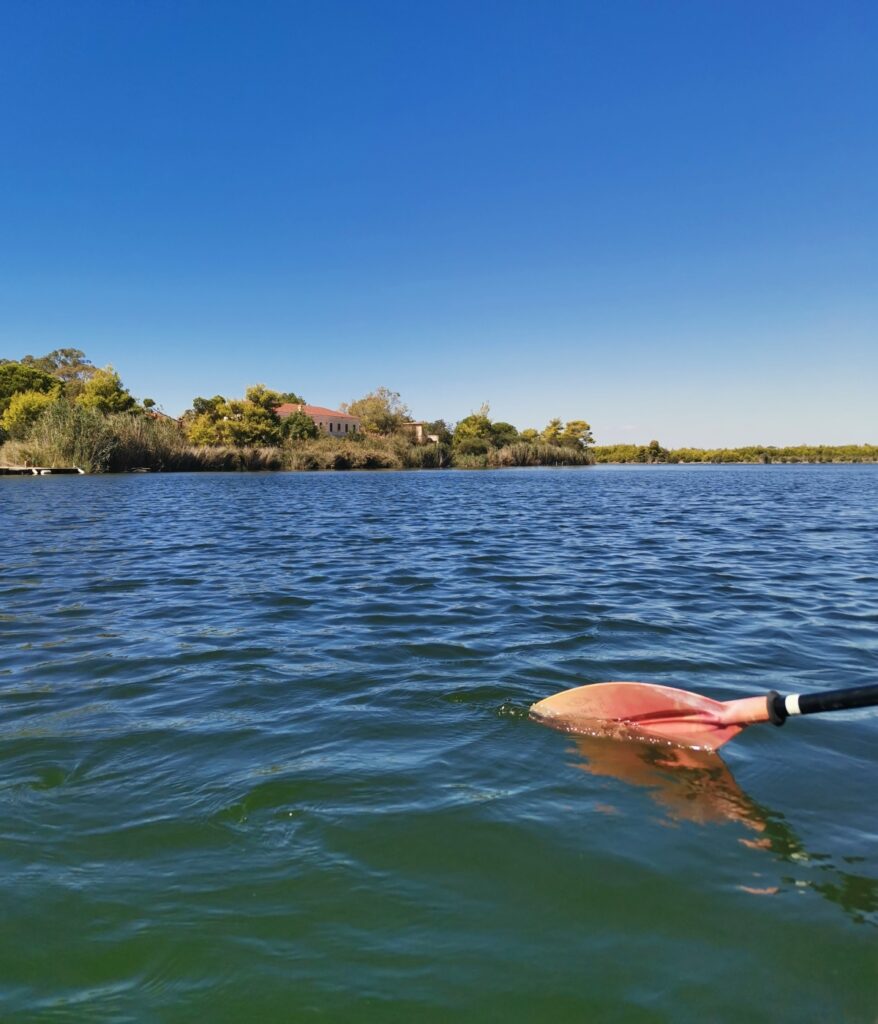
[40, 470]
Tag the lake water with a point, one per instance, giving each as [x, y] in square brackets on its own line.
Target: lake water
[265, 753]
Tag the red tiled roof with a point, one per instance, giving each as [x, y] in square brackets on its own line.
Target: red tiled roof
[288, 408]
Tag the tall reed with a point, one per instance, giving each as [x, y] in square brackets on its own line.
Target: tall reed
[524, 454]
[330, 453]
[66, 434]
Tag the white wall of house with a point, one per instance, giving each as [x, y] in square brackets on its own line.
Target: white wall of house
[338, 428]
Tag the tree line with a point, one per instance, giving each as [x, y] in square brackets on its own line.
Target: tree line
[61, 406]
[654, 454]
[382, 413]
[52, 404]
[30, 386]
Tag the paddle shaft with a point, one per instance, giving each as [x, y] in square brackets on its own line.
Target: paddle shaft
[780, 708]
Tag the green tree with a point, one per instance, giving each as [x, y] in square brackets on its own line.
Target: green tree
[440, 429]
[382, 411]
[65, 363]
[262, 396]
[655, 452]
[69, 365]
[236, 421]
[470, 445]
[16, 378]
[552, 432]
[529, 435]
[247, 423]
[473, 434]
[203, 423]
[503, 434]
[207, 406]
[299, 427]
[105, 392]
[23, 411]
[204, 429]
[576, 434]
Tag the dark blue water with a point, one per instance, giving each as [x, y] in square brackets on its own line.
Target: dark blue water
[265, 753]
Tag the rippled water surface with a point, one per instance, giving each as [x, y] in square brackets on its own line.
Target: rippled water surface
[265, 753]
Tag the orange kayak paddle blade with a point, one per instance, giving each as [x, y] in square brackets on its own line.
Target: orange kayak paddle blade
[648, 711]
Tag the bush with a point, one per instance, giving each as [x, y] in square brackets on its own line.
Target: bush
[23, 411]
[467, 446]
[299, 427]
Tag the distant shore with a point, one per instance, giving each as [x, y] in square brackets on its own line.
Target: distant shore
[59, 412]
[262, 461]
[132, 445]
[654, 453]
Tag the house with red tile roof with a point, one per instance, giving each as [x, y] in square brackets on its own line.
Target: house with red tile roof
[329, 421]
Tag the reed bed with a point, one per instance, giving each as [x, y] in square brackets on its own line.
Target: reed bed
[65, 435]
[844, 453]
[327, 453]
[523, 454]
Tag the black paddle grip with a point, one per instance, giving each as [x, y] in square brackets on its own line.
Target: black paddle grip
[839, 700]
[777, 712]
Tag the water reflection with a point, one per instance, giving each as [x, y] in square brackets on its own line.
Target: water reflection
[698, 786]
[689, 785]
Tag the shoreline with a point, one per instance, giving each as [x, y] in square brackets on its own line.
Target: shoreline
[43, 471]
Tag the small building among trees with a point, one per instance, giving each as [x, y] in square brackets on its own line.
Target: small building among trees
[327, 421]
[417, 431]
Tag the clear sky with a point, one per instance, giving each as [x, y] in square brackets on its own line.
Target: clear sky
[660, 216]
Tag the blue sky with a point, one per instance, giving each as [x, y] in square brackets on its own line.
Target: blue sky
[660, 216]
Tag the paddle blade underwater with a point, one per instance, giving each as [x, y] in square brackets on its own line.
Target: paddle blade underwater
[663, 713]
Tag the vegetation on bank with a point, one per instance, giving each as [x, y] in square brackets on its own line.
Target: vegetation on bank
[60, 409]
[68, 434]
[654, 453]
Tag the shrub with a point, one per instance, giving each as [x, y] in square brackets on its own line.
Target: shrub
[23, 410]
[469, 446]
[299, 427]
